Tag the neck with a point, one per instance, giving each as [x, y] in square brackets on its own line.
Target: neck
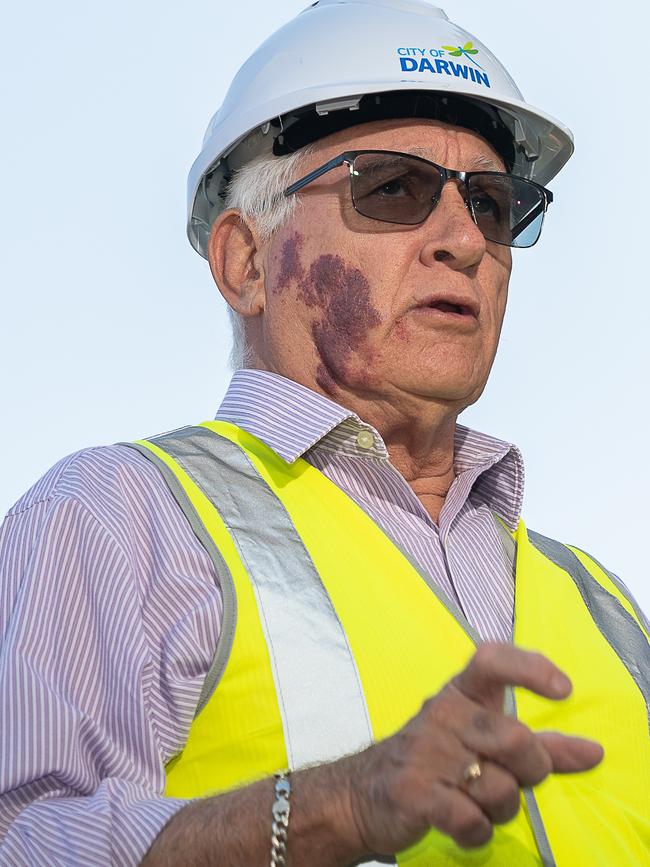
[418, 433]
[419, 436]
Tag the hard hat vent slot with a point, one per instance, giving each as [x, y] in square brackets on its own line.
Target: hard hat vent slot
[323, 108]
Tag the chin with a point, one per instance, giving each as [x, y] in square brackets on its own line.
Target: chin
[461, 398]
[446, 386]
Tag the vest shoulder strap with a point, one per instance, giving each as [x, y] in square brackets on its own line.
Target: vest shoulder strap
[615, 619]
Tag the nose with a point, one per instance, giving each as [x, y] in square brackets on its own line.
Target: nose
[450, 233]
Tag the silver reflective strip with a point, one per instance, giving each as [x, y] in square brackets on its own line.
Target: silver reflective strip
[617, 626]
[539, 831]
[320, 695]
[616, 581]
[229, 597]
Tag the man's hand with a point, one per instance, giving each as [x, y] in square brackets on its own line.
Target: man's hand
[413, 780]
[384, 799]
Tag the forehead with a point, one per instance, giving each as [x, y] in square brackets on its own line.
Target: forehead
[452, 146]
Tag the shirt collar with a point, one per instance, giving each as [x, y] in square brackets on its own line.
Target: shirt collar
[291, 418]
[286, 416]
[495, 469]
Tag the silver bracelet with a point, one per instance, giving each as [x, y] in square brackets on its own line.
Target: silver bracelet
[280, 827]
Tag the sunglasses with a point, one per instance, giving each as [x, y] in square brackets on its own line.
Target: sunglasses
[400, 188]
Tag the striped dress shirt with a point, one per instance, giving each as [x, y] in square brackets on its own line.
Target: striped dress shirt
[110, 612]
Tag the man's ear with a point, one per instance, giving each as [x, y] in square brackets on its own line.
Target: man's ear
[236, 263]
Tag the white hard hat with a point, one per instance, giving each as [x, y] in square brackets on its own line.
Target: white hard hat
[342, 62]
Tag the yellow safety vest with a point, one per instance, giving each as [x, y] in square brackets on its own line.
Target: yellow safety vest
[332, 639]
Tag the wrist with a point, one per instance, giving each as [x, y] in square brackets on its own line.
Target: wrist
[324, 829]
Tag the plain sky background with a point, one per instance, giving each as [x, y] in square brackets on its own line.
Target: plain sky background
[111, 326]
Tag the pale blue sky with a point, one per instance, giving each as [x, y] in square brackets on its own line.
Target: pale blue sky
[112, 328]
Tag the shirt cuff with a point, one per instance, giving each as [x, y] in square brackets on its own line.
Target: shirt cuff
[116, 825]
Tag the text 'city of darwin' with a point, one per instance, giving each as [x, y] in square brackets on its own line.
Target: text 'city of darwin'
[443, 67]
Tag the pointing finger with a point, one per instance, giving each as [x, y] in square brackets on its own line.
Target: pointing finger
[495, 666]
[570, 754]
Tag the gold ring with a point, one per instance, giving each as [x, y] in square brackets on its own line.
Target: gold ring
[472, 772]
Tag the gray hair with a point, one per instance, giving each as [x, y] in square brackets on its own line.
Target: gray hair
[257, 192]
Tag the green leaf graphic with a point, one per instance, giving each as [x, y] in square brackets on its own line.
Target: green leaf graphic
[449, 47]
[455, 53]
[468, 45]
[471, 51]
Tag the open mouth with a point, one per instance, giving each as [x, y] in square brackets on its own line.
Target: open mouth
[450, 307]
[446, 307]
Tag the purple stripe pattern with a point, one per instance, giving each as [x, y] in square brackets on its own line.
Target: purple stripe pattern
[110, 612]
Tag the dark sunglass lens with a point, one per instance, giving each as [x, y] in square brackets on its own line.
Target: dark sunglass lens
[394, 188]
[507, 209]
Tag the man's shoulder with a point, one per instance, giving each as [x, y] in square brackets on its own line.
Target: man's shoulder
[99, 477]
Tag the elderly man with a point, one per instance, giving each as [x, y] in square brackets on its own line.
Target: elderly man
[316, 631]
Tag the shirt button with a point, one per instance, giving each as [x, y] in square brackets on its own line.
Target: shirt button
[365, 439]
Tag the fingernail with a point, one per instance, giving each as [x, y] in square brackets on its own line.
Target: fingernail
[561, 683]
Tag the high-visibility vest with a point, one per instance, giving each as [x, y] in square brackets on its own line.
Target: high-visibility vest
[332, 639]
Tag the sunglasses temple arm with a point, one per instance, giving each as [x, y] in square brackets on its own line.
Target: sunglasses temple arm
[332, 164]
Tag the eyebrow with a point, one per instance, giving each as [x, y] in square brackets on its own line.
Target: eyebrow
[482, 162]
[479, 162]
